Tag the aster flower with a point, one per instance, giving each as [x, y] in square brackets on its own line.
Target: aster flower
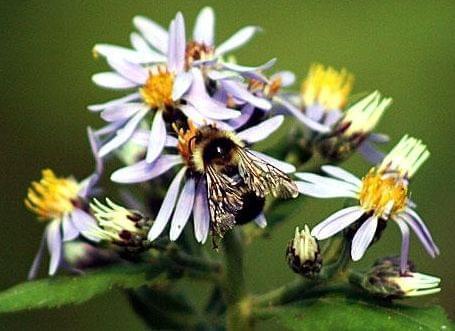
[323, 99]
[168, 89]
[60, 201]
[220, 177]
[152, 46]
[382, 195]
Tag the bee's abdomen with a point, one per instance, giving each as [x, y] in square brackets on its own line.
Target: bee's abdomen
[252, 207]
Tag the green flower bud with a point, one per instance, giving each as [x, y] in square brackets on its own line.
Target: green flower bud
[303, 254]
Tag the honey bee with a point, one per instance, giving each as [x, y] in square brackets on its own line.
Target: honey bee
[237, 180]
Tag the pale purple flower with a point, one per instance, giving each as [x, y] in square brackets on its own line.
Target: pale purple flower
[180, 202]
[162, 88]
[382, 196]
[60, 201]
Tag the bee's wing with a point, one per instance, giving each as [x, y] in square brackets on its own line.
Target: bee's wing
[263, 178]
[225, 199]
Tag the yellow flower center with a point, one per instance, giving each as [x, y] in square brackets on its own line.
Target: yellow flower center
[327, 87]
[186, 138]
[383, 194]
[157, 90]
[52, 196]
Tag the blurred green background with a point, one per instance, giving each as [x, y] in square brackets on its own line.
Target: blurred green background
[405, 49]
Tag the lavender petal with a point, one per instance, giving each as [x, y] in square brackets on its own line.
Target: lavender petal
[182, 84]
[262, 130]
[143, 171]
[246, 113]
[337, 222]
[70, 232]
[125, 133]
[157, 139]
[121, 112]
[370, 153]
[54, 244]
[342, 174]
[146, 54]
[183, 209]
[152, 32]
[112, 80]
[261, 221]
[363, 238]
[302, 117]
[240, 92]
[243, 69]
[115, 102]
[404, 245]
[201, 214]
[38, 258]
[167, 206]
[131, 71]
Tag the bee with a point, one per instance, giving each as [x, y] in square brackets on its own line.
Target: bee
[237, 180]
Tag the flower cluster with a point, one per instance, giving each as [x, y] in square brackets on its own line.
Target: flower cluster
[185, 126]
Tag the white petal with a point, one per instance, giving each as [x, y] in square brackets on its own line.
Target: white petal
[181, 85]
[143, 171]
[328, 182]
[183, 209]
[70, 232]
[261, 221]
[363, 237]
[337, 222]
[119, 52]
[240, 92]
[283, 166]
[287, 78]
[237, 40]
[262, 130]
[341, 174]
[323, 191]
[242, 69]
[147, 55]
[112, 80]
[302, 117]
[124, 133]
[157, 138]
[152, 32]
[54, 244]
[121, 112]
[38, 258]
[204, 28]
[115, 102]
[166, 207]
[131, 71]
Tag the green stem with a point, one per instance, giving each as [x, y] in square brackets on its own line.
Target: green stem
[238, 315]
[284, 294]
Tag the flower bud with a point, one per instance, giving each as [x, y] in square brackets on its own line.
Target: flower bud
[385, 280]
[82, 255]
[303, 254]
[119, 226]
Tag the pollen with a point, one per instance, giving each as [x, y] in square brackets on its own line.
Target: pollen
[269, 89]
[157, 90]
[52, 196]
[383, 194]
[186, 140]
[197, 52]
[327, 87]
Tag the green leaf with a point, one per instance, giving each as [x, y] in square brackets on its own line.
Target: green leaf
[341, 313]
[58, 291]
